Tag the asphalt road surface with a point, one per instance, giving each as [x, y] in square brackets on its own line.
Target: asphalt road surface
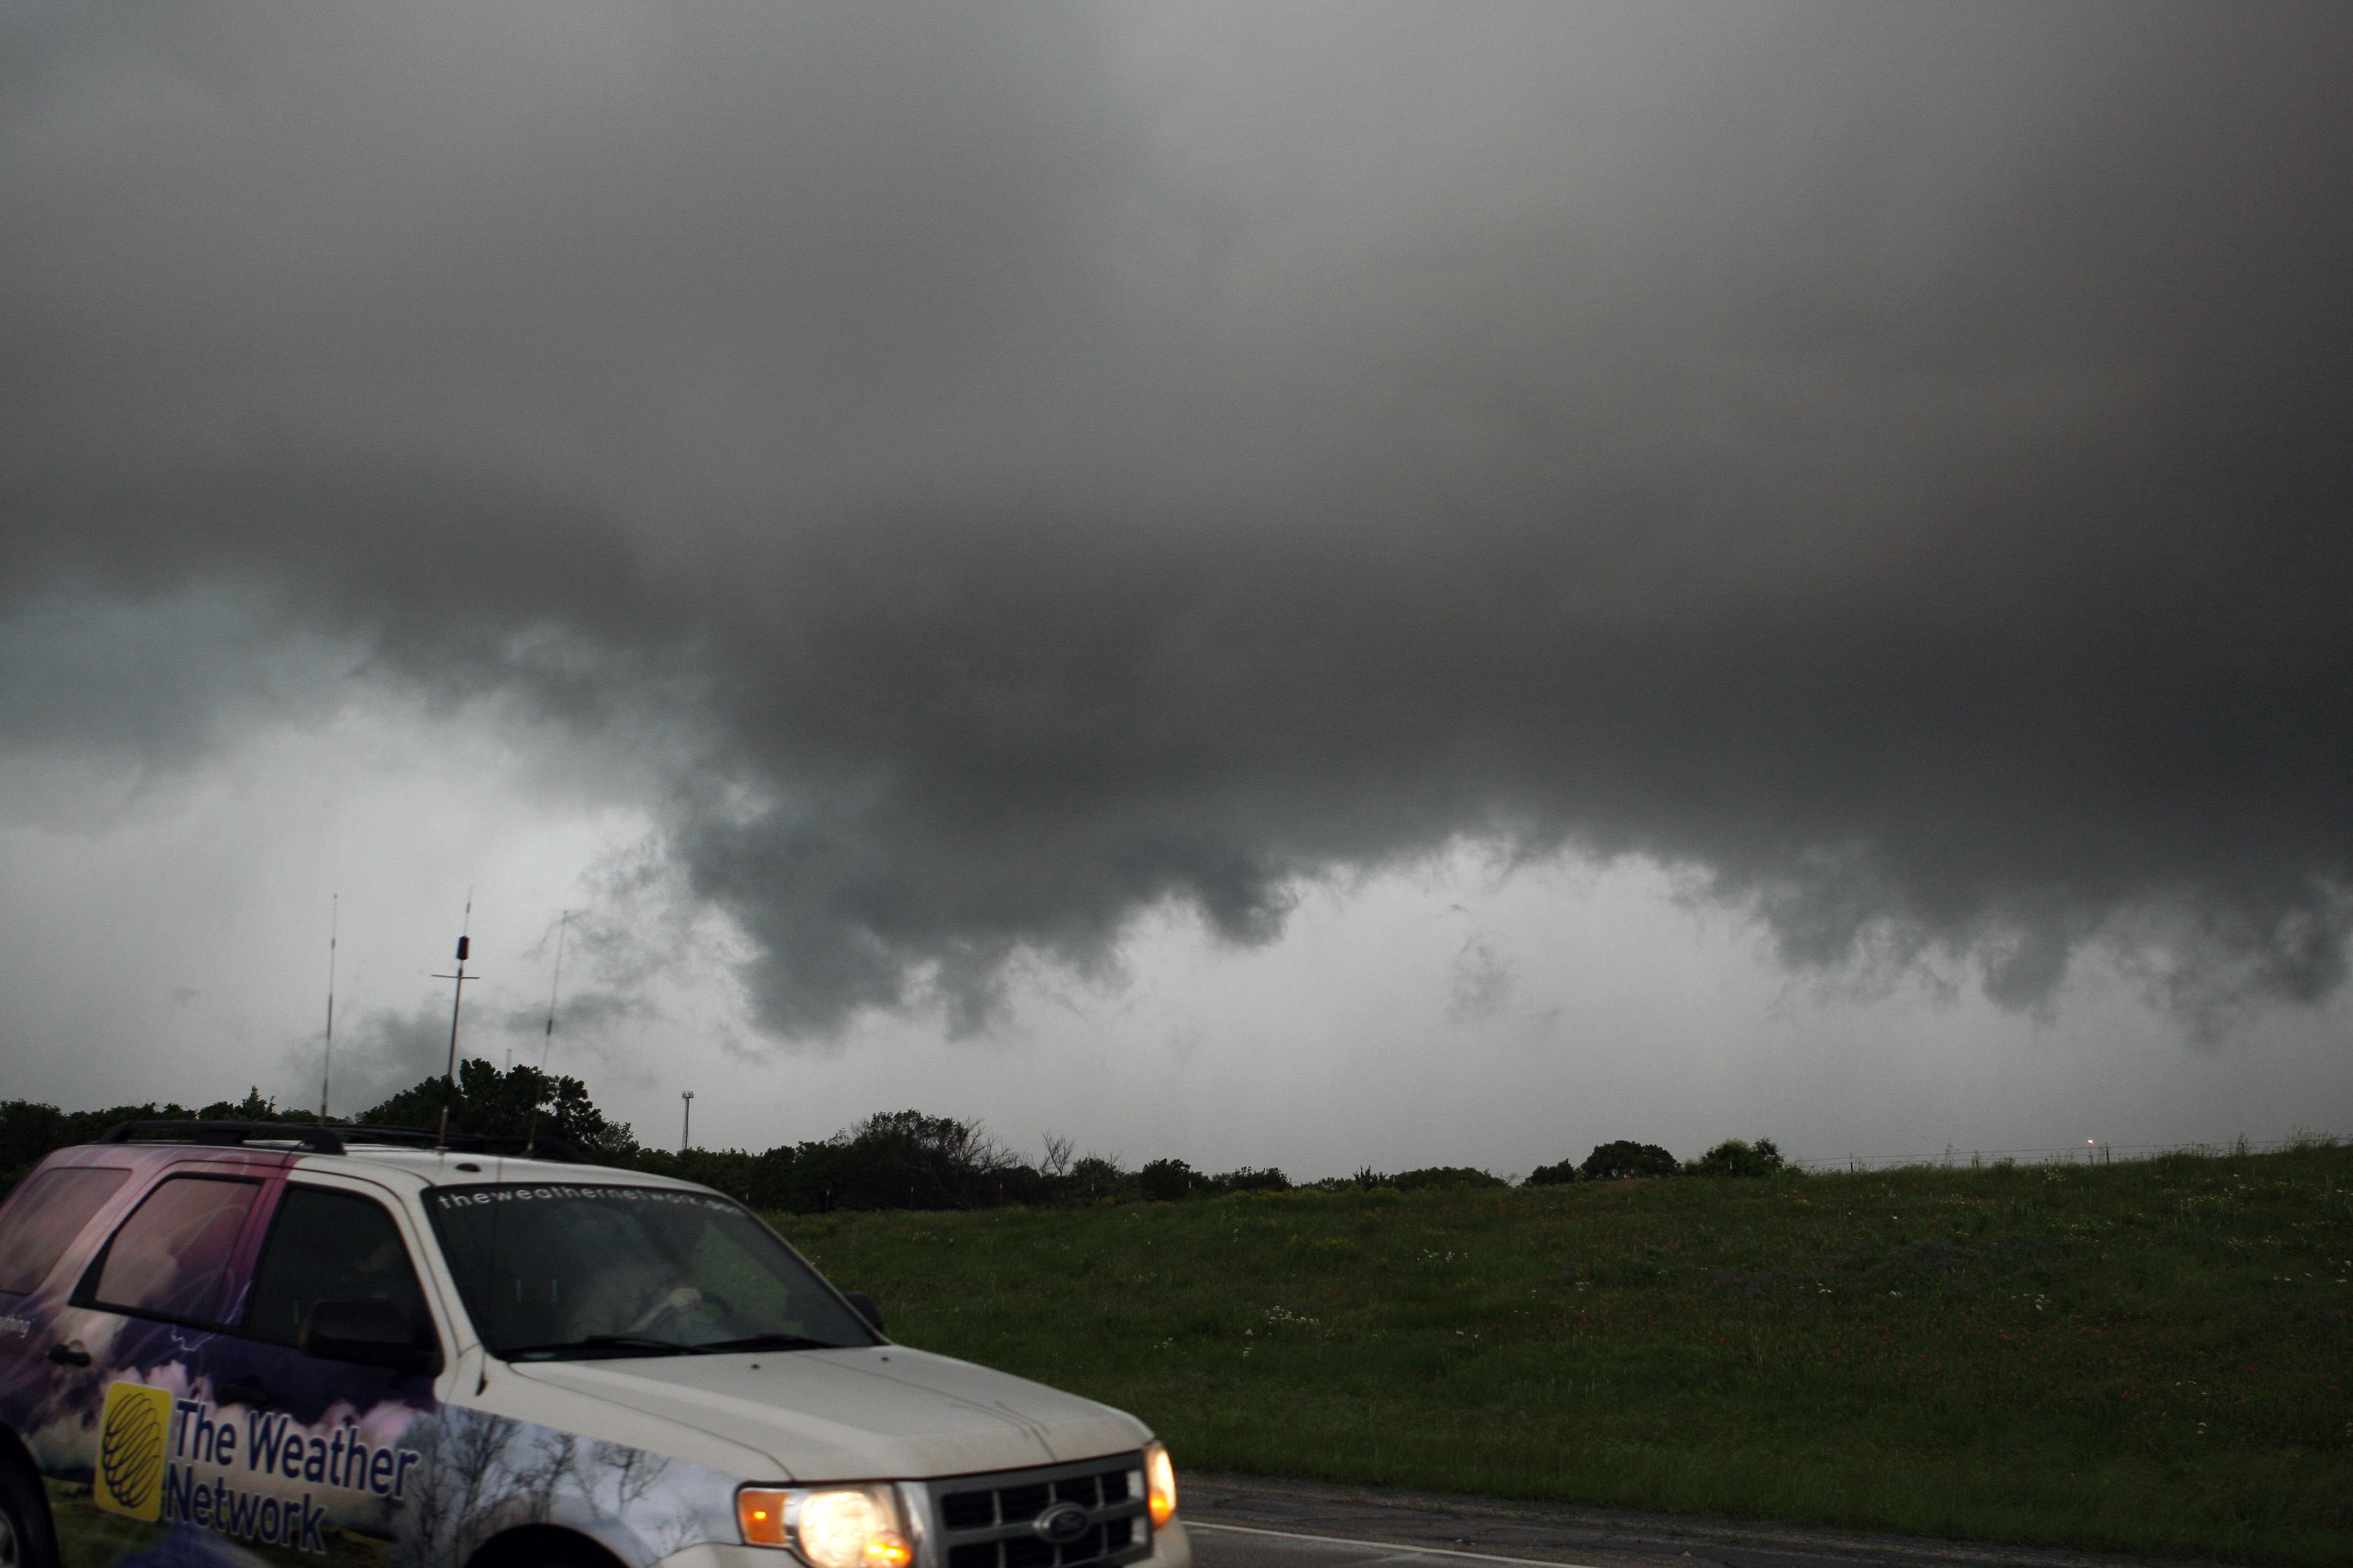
[1238, 1522]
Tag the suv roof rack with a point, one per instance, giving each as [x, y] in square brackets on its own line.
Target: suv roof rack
[305, 1134]
[550, 1149]
[322, 1140]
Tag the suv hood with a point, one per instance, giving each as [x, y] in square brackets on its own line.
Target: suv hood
[882, 1413]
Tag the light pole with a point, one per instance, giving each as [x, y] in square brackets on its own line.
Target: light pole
[686, 1127]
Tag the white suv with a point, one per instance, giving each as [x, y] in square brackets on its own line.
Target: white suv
[220, 1341]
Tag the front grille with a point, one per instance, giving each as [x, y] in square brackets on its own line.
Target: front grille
[989, 1521]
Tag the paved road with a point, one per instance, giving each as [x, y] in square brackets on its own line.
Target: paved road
[1246, 1523]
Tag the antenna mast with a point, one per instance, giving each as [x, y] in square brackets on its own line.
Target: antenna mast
[327, 1054]
[456, 1000]
[531, 1137]
[548, 1043]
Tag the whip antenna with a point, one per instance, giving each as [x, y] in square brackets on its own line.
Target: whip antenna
[327, 1053]
[547, 1042]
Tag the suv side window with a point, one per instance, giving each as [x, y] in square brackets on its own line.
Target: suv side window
[170, 1256]
[50, 1209]
[327, 1246]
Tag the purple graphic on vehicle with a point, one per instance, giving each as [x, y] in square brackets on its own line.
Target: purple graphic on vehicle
[153, 1305]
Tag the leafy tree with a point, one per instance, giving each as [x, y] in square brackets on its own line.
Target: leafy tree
[1093, 1179]
[1552, 1175]
[521, 1102]
[30, 1130]
[1167, 1181]
[1734, 1158]
[1249, 1179]
[1613, 1161]
[769, 1184]
[748, 1178]
[902, 1160]
[254, 1107]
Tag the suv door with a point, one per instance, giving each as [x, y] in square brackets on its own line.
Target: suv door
[295, 1441]
[212, 1420]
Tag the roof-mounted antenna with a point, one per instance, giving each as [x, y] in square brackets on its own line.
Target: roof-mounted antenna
[456, 1000]
[547, 1042]
[327, 1054]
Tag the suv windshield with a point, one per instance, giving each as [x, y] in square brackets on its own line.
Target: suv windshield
[554, 1272]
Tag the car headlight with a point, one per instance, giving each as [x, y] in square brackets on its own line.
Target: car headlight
[1159, 1483]
[830, 1527]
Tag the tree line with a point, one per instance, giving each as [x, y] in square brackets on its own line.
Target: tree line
[892, 1160]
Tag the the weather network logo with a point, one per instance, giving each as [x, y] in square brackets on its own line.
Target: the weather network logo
[130, 1444]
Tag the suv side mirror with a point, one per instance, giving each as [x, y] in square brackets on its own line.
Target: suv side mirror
[866, 1308]
[366, 1332]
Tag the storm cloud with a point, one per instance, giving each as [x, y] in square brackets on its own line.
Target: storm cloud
[1027, 467]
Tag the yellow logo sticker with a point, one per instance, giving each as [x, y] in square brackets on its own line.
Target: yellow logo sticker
[130, 1444]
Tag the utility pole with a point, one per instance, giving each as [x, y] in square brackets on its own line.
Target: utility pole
[686, 1128]
[456, 1000]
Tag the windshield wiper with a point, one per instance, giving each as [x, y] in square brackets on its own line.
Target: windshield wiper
[643, 1344]
[769, 1342]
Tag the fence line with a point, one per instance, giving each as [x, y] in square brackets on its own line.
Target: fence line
[2089, 1152]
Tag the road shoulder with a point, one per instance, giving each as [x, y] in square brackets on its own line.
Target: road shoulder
[1596, 1538]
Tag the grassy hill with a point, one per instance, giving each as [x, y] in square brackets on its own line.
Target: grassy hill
[2150, 1357]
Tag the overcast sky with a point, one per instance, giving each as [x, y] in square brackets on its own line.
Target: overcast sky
[1314, 586]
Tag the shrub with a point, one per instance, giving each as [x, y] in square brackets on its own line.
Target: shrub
[1613, 1161]
[1444, 1177]
[1249, 1179]
[1168, 1181]
[903, 1160]
[1734, 1158]
[1093, 1179]
[1552, 1175]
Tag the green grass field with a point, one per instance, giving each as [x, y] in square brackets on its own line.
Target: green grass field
[2150, 1357]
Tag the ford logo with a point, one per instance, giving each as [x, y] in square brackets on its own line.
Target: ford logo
[1061, 1524]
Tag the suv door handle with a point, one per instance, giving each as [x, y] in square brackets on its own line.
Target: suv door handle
[69, 1356]
[244, 1393]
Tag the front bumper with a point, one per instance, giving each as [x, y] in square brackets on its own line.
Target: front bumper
[1171, 1547]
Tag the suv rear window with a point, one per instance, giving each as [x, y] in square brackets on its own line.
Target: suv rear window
[50, 1209]
[172, 1254]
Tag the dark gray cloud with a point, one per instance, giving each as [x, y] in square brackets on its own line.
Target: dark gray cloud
[151, 685]
[1046, 465]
